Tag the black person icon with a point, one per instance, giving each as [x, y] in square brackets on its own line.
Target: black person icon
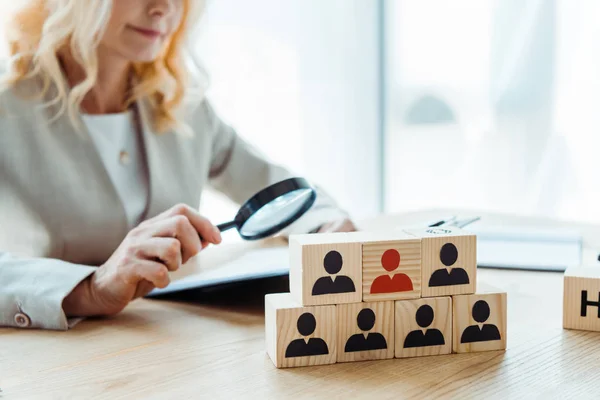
[488, 332]
[373, 341]
[456, 276]
[326, 285]
[302, 348]
[431, 337]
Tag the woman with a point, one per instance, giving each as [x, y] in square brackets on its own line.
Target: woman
[102, 151]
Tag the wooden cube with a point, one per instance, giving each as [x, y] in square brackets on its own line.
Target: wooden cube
[365, 331]
[581, 298]
[423, 327]
[326, 268]
[299, 336]
[391, 267]
[448, 261]
[479, 321]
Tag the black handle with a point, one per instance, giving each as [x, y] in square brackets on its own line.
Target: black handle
[226, 226]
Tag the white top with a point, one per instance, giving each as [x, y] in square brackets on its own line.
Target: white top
[119, 146]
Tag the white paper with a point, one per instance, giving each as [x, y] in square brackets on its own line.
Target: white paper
[523, 247]
[527, 247]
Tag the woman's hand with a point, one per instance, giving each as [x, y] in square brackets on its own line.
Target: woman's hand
[342, 225]
[142, 262]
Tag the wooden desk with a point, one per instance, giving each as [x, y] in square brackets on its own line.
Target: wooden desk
[211, 347]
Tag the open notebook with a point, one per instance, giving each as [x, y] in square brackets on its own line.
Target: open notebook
[253, 264]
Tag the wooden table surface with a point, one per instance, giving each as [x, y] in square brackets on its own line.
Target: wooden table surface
[211, 345]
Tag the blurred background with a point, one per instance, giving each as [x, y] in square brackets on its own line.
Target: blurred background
[398, 105]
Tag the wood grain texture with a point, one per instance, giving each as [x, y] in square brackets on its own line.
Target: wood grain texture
[433, 241]
[307, 258]
[406, 322]
[214, 347]
[347, 315]
[409, 250]
[488, 323]
[281, 329]
[581, 299]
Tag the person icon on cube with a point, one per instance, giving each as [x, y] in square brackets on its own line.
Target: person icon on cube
[431, 337]
[399, 282]
[456, 275]
[301, 347]
[487, 332]
[333, 263]
[373, 341]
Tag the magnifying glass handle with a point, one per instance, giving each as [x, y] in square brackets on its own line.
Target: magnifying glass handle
[226, 226]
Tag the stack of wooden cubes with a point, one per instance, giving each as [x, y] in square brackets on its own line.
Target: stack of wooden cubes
[369, 296]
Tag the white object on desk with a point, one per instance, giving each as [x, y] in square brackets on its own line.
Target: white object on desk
[527, 247]
[523, 247]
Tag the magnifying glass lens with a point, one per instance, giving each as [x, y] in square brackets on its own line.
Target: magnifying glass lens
[275, 212]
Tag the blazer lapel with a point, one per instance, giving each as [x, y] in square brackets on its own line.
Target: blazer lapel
[99, 203]
[150, 145]
[90, 153]
[173, 165]
[147, 139]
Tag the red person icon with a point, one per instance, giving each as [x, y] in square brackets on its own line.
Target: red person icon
[390, 261]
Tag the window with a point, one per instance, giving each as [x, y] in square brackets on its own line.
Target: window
[491, 104]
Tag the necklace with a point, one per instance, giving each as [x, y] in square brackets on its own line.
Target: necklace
[124, 156]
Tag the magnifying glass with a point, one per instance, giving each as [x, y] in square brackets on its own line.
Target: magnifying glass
[272, 209]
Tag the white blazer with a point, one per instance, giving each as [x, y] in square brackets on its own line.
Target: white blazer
[60, 215]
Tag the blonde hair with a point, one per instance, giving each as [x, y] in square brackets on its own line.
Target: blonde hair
[41, 28]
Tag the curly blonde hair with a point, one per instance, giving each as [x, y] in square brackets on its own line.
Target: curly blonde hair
[41, 28]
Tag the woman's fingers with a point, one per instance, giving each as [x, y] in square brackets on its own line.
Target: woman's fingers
[196, 234]
[143, 288]
[165, 250]
[207, 231]
[177, 227]
[151, 271]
